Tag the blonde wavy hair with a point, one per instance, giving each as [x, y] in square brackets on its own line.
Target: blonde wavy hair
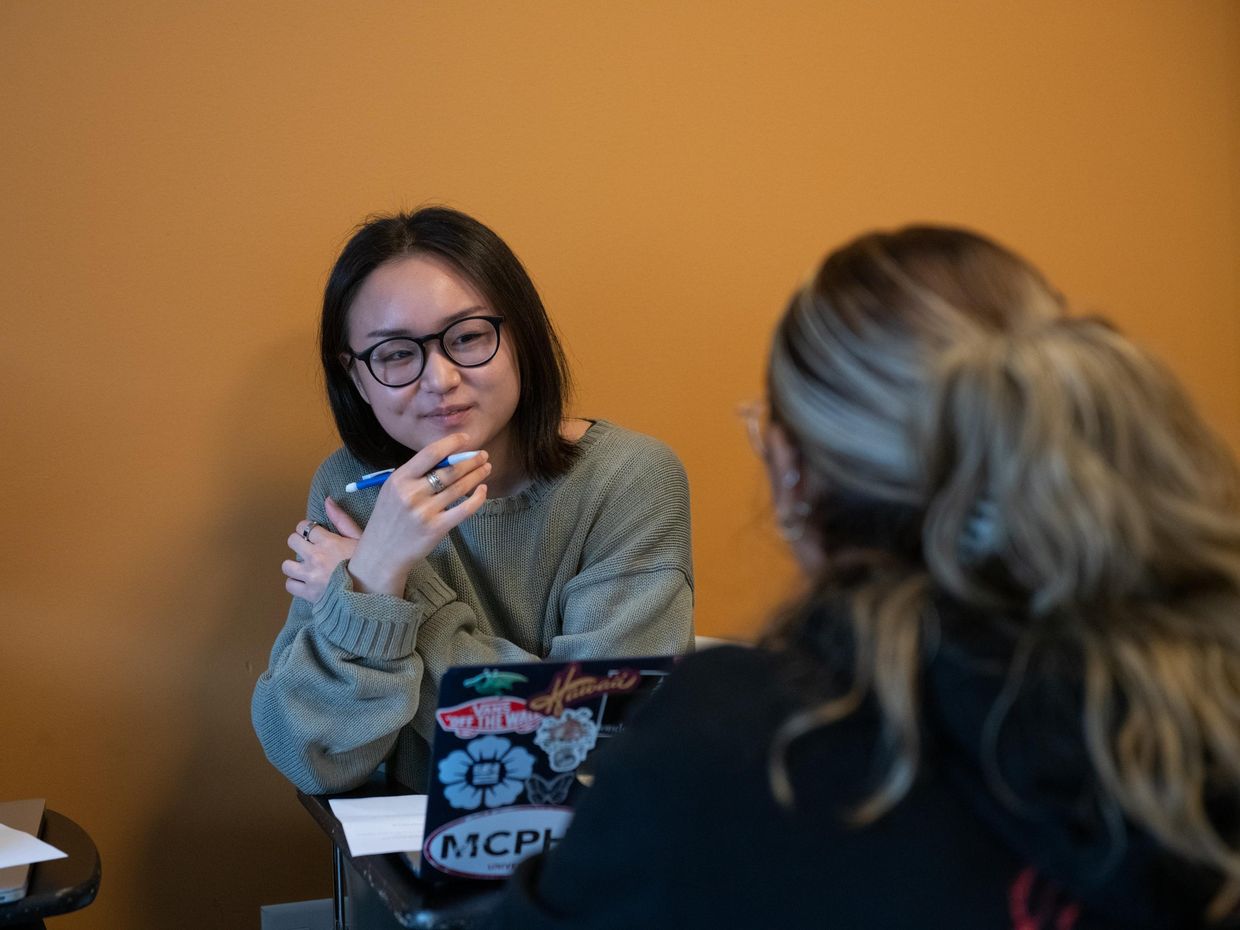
[1054, 477]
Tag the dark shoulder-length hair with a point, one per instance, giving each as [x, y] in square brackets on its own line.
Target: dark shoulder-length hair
[484, 260]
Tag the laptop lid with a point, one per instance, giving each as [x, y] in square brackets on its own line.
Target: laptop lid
[513, 749]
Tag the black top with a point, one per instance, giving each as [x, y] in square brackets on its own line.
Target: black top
[681, 829]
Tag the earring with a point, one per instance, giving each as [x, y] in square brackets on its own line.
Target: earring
[980, 535]
[792, 525]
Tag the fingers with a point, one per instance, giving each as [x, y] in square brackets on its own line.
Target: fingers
[346, 525]
[411, 516]
[464, 467]
[309, 531]
[467, 507]
[295, 578]
[432, 454]
[301, 589]
[294, 570]
[303, 543]
[412, 485]
[312, 533]
[462, 479]
[308, 579]
[456, 481]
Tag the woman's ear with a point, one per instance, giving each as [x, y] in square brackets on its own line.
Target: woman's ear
[354, 371]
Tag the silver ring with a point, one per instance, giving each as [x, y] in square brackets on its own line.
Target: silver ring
[433, 480]
[305, 534]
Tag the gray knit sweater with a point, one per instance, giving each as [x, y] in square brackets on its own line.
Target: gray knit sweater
[594, 563]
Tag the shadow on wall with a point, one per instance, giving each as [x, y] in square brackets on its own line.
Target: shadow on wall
[229, 834]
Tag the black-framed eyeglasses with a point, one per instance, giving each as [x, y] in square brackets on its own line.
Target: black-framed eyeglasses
[400, 360]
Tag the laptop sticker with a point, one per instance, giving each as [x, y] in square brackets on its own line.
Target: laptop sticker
[567, 739]
[488, 715]
[494, 681]
[512, 754]
[489, 844]
[571, 686]
[552, 790]
[489, 771]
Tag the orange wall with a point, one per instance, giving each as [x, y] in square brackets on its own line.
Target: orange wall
[177, 178]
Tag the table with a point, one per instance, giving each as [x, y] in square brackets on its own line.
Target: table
[57, 886]
[412, 902]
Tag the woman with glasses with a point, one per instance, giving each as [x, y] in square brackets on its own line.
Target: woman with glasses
[1008, 695]
[504, 532]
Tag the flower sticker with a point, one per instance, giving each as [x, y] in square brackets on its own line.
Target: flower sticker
[567, 739]
[489, 771]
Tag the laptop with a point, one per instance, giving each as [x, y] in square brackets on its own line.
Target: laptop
[513, 749]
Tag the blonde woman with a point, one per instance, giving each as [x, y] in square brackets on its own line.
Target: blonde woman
[1010, 696]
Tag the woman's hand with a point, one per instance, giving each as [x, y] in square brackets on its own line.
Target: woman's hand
[413, 513]
[319, 551]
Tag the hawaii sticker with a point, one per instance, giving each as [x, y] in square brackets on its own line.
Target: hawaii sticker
[571, 686]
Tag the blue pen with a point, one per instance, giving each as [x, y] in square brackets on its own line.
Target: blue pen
[378, 477]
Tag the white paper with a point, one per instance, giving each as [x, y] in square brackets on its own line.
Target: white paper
[382, 825]
[18, 848]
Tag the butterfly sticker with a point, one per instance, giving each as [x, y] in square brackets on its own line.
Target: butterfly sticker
[552, 790]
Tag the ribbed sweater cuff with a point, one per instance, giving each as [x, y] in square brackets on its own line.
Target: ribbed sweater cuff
[378, 626]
